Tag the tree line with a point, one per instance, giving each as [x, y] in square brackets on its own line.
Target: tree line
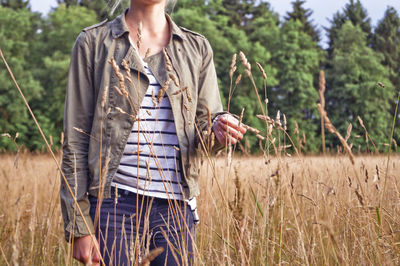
[361, 64]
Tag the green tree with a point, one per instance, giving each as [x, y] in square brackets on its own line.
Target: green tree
[15, 4]
[298, 63]
[195, 19]
[238, 11]
[55, 42]
[255, 32]
[15, 32]
[256, 37]
[104, 9]
[352, 87]
[386, 40]
[354, 12]
[303, 15]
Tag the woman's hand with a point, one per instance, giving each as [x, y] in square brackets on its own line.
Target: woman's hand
[227, 130]
[85, 250]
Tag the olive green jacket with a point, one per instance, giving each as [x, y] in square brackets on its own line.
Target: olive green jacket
[98, 120]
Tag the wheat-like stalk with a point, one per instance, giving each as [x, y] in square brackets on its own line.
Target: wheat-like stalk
[50, 150]
[321, 93]
[332, 129]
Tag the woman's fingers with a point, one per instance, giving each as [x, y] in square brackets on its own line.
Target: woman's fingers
[231, 131]
[224, 138]
[95, 254]
[232, 122]
[227, 130]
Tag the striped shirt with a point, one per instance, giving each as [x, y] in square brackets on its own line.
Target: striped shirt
[150, 164]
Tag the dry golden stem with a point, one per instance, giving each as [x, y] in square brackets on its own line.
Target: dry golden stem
[266, 118]
[321, 93]
[147, 53]
[153, 99]
[180, 91]
[85, 133]
[251, 129]
[241, 117]
[348, 133]
[51, 152]
[260, 137]
[161, 92]
[209, 122]
[333, 130]
[367, 136]
[151, 256]
[238, 79]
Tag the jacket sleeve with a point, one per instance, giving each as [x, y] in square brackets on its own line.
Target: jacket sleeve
[208, 95]
[78, 114]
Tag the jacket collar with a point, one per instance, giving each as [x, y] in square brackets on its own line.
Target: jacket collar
[119, 27]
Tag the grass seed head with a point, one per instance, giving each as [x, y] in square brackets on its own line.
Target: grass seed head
[261, 70]
[188, 95]
[233, 66]
[147, 53]
[104, 98]
[380, 84]
[120, 110]
[139, 34]
[238, 79]
[167, 61]
[174, 79]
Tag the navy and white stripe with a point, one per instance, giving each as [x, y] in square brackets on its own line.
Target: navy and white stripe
[150, 164]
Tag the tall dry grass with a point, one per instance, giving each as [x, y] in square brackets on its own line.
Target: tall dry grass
[254, 210]
[287, 210]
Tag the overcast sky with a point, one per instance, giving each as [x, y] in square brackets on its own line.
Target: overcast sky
[323, 9]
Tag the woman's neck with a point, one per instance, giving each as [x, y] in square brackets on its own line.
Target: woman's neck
[150, 16]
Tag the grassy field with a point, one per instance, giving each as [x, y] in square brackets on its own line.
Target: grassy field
[256, 211]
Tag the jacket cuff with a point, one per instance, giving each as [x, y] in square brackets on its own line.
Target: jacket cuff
[78, 228]
[75, 224]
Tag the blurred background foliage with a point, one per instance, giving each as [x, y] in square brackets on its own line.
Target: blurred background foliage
[358, 55]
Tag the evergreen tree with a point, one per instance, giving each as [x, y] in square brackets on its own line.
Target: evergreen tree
[356, 14]
[303, 15]
[296, 96]
[237, 10]
[352, 89]
[386, 40]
